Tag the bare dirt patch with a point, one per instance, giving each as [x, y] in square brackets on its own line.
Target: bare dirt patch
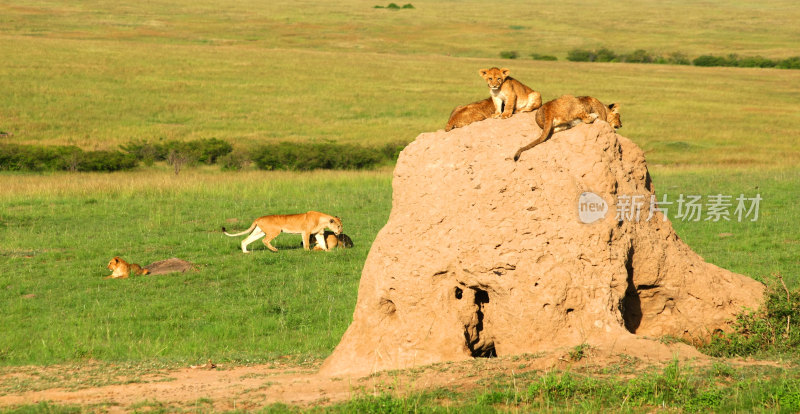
[120, 388]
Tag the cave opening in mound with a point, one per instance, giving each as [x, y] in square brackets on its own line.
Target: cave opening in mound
[477, 327]
[631, 305]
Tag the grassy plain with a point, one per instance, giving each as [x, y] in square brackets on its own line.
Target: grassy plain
[55, 245]
[99, 74]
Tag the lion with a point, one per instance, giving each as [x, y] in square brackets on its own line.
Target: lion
[121, 269]
[508, 94]
[467, 114]
[568, 111]
[331, 241]
[305, 224]
[608, 113]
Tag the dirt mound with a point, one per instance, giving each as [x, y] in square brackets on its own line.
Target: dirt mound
[170, 265]
[484, 256]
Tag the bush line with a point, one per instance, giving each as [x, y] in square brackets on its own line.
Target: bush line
[292, 156]
[677, 58]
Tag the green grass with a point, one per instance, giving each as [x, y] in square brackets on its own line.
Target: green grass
[718, 388]
[245, 308]
[98, 75]
[755, 248]
[466, 28]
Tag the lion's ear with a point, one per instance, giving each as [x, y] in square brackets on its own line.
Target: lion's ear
[614, 107]
[333, 221]
[505, 72]
[483, 72]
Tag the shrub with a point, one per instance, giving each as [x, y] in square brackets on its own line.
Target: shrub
[709, 60]
[756, 62]
[789, 63]
[106, 161]
[511, 54]
[678, 58]
[209, 150]
[311, 156]
[202, 150]
[235, 161]
[145, 151]
[580, 55]
[775, 328]
[177, 158]
[637, 56]
[61, 158]
[408, 6]
[392, 150]
[536, 56]
[605, 55]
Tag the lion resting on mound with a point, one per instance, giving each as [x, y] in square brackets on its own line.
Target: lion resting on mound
[509, 95]
[305, 224]
[467, 114]
[568, 111]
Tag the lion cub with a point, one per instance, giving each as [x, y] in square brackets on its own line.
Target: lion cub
[568, 111]
[121, 269]
[608, 113]
[508, 94]
[331, 241]
[467, 114]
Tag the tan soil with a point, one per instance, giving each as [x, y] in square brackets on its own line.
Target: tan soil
[170, 265]
[253, 387]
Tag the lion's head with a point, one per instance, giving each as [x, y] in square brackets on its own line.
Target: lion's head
[494, 77]
[113, 263]
[335, 225]
[613, 116]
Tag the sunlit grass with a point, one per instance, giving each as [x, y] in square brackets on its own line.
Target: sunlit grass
[101, 75]
[59, 231]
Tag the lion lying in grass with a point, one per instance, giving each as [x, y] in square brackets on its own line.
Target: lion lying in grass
[121, 269]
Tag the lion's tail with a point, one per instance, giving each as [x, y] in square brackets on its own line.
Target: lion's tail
[251, 228]
[546, 131]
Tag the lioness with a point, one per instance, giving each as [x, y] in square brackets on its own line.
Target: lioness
[331, 241]
[306, 224]
[467, 114]
[508, 94]
[121, 269]
[566, 112]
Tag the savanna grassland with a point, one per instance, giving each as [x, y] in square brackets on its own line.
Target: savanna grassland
[98, 75]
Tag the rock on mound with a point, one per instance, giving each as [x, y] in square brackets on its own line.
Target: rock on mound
[485, 256]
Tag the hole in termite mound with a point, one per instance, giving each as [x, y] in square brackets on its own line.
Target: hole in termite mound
[477, 327]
